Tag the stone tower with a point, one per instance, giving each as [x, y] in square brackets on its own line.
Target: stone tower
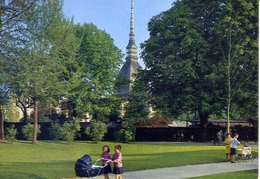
[131, 64]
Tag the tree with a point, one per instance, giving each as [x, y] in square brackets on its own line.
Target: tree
[174, 55]
[137, 106]
[38, 69]
[100, 60]
[182, 59]
[4, 99]
[238, 59]
[11, 24]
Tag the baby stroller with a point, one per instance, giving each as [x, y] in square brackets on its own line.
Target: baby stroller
[84, 167]
[244, 154]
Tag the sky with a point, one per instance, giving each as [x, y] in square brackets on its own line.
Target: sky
[113, 16]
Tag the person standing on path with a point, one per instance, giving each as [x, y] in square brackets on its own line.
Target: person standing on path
[117, 160]
[220, 135]
[227, 143]
[234, 143]
[105, 157]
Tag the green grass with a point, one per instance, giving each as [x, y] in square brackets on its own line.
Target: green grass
[248, 174]
[56, 160]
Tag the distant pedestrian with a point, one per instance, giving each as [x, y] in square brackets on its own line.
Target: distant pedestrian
[219, 136]
[191, 138]
[233, 147]
[118, 164]
[227, 143]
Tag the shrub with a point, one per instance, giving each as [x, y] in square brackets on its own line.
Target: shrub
[69, 130]
[27, 131]
[55, 132]
[125, 134]
[97, 131]
[10, 133]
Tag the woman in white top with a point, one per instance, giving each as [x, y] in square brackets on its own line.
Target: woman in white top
[233, 147]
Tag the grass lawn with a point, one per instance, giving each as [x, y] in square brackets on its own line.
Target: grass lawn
[248, 174]
[56, 160]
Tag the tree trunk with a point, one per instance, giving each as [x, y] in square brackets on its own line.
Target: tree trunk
[35, 127]
[204, 125]
[2, 132]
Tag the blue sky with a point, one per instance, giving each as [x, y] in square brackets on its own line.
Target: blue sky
[113, 16]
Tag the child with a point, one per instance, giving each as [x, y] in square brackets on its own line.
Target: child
[246, 144]
[105, 157]
[117, 160]
[234, 143]
[227, 143]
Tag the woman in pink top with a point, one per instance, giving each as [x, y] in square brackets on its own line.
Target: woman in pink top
[117, 160]
[105, 157]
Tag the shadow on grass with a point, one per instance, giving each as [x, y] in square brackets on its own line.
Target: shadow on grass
[36, 170]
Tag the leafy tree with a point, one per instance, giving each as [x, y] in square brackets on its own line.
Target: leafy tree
[11, 24]
[238, 59]
[183, 57]
[137, 106]
[174, 55]
[100, 60]
[4, 98]
[41, 66]
[97, 131]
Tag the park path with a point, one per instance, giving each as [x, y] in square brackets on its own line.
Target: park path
[188, 171]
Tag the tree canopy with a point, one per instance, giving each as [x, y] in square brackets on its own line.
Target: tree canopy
[186, 57]
[48, 58]
[100, 61]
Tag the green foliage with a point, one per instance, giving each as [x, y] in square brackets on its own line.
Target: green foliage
[27, 131]
[126, 133]
[100, 60]
[45, 119]
[190, 51]
[97, 131]
[30, 71]
[69, 130]
[10, 133]
[137, 106]
[66, 132]
[55, 131]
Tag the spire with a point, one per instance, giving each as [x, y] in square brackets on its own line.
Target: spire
[131, 64]
[131, 47]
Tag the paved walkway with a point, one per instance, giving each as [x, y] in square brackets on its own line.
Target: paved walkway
[189, 171]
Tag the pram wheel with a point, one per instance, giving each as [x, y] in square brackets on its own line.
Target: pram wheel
[250, 157]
